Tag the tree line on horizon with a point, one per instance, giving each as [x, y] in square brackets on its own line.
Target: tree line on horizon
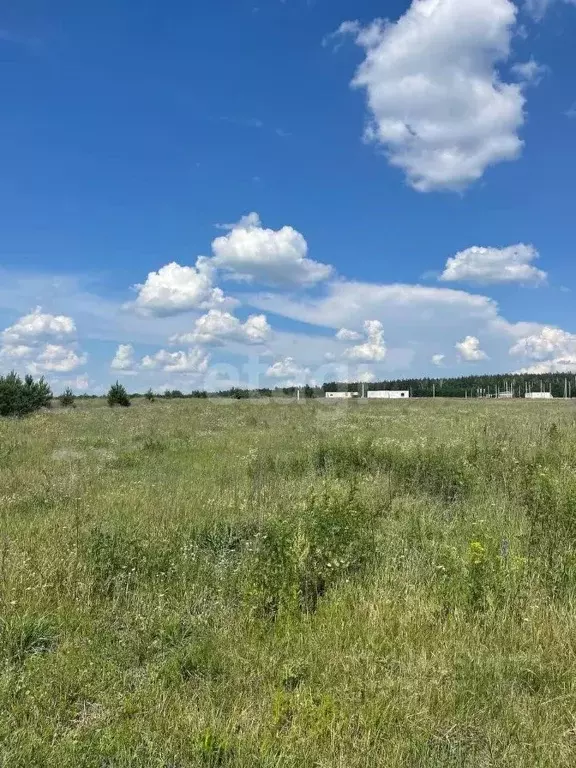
[487, 385]
[19, 397]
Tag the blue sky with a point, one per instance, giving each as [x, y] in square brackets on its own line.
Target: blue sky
[367, 199]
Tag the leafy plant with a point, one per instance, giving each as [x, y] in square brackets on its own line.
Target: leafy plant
[117, 395]
[67, 398]
[149, 395]
[19, 398]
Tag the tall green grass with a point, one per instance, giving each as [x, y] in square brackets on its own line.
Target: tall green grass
[238, 584]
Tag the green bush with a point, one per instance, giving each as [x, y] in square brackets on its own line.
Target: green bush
[67, 398]
[18, 398]
[117, 395]
[149, 395]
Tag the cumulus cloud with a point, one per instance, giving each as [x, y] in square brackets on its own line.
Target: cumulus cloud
[276, 257]
[287, 368]
[38, 326]
[345, 335]
[374, 348]
[175, 289]
[124, 359]
[217, 327]
[418, 320]
[29, 346]
[192, 361]
[469, 350]
[437, 102]
[548, 342]
[494, 265]
[557, 365]
[438, 359]
[56, 358]
[16, 351]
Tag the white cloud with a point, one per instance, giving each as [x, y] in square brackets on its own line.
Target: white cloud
[193, 361]
[374, 348]
[80, 383]
[277, 257]
[38, 326]
[286, 368]
[345, 335]
[217, 327]
[16, 352]
[557, 365]
[174, 289]
[530, 72]
[406, 310]
[469, 350]
[437, 102]
[366, 376]
[438, 360]
[56, 358]
[494, 265]
[124, 359]
[547, 342]
[24, 344]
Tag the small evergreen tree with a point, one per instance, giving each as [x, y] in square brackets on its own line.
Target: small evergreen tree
[117, 395]
[67, 398]
[149, 395]
[18, 398]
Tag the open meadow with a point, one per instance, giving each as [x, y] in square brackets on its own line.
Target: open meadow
[289, 585]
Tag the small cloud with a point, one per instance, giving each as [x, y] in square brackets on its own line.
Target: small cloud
[469, 350]
[250, 252]
[344, 334]
[335, 39]
[374, 349]
[495, 265]
[530, 72]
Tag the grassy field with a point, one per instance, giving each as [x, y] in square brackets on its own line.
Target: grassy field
[260, 584]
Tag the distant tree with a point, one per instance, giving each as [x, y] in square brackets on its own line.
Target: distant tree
[308, 391]
[199, 393]
[67, 398]
[149, 395]
[117, 395]
[19, 398]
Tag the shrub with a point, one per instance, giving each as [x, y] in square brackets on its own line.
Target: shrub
[117, 395]
[293, 562]
[149, 395]
[18, 398]
[67, 398]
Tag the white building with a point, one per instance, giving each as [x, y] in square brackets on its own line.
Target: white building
[341, 395]
[539, 395]
[387, 394]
